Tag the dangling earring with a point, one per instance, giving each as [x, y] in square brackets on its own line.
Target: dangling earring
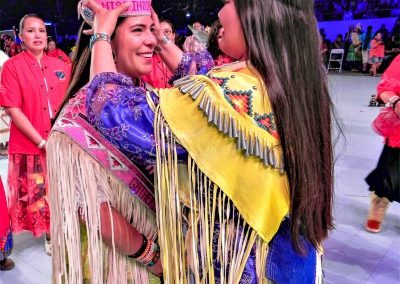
[23, 45]
[114, 55]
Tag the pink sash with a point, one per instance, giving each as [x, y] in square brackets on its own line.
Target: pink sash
[73, 123]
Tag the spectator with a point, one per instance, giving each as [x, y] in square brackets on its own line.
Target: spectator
[338, 42]
[194, 43]
[53, 51]
[384, 32]
[365, 47]
[220, 58]
[160, 74]
[11, 48]
[33, 87]
[376, 53]
[354, 53]
[395, 33]
[324, 49]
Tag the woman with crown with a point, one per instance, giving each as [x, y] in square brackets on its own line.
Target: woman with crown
[251, 202]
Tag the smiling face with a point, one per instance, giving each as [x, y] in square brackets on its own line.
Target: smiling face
[232, 41]
[134, 44]
[34, 35]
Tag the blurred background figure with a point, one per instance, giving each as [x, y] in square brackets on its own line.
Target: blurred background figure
[354, 55]
[338, 43]
[198, 41]
[11, 48]
[376, 53]
[53, 51]
[365, 47]
[220, 58]
[160, 74]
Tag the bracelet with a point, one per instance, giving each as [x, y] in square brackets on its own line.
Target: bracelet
[41, 144]
[155, 258]
[141, 250]
[165, 40]
[394, 103]
[148, 254]
[391, 101]
[147, 251]
[98, 36]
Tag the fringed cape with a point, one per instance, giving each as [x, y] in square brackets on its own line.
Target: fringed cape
[234, 177]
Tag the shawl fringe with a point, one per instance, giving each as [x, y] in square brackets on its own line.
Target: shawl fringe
[98, 263]
[187, 218]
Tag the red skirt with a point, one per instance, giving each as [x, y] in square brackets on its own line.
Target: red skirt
[27, 199]
[6, 240]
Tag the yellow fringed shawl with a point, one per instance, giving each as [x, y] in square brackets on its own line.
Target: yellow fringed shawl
[235, 169]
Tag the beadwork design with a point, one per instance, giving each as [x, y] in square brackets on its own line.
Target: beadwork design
[247, 141]
[266, 121]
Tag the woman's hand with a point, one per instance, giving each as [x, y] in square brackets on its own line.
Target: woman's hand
[156, 269]
[104, 20]
[158, 33]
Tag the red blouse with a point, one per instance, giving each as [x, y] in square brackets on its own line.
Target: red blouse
[377, 50]
[160, 74]
[37, 90]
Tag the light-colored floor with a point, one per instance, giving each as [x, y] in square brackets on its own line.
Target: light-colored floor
[351, 254]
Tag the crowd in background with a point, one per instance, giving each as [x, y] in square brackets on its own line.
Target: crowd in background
[356, 9]
[362, 44]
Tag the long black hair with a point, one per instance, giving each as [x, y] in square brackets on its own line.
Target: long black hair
[80, 72]
[283, 45]
[367, 39]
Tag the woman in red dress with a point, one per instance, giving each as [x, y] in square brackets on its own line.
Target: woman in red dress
[384, 181]
[33, 88]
